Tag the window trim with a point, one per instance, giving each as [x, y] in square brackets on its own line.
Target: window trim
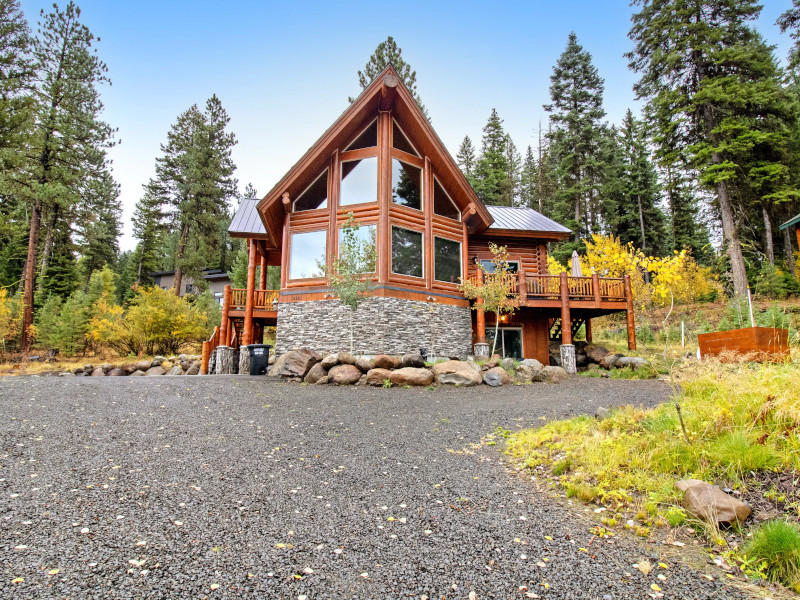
[377, 178]
[392, 202]
[422, 252]
[417, 154]
[289, 250]
[433, 200]
[339, 229]
[460, 259]
[359, 134]
[308, 187]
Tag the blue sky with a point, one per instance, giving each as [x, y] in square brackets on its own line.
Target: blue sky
[284, 70]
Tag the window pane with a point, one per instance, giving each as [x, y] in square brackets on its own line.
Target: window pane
[406, 185]
[400, 141]
[359, 181]
[406, 252]
[442, 204]
[315, 196]
[488, 266]
[360, 248]
[307, 258]
[447, 260]
[367, 138]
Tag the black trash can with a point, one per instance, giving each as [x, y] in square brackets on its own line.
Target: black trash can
[259, 358]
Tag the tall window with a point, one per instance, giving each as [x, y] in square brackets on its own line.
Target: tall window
[406, 252]
[406, 184]
[307, 256]
[363, 246]
[447, 260]
[359, 181]
[315, 195]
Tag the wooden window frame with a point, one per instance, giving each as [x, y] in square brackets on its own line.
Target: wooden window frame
[435, 180]
[308, 187]
[460, 259]
[304, 280]
[391, 262]
[418, 156]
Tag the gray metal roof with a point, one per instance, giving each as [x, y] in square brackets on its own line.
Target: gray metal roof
[522, 219]
[790, 222]
[247, 219]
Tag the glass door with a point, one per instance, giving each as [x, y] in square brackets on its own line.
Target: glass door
[509, 342]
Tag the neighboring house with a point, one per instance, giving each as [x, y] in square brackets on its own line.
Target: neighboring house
[216, 279]
[382, 161]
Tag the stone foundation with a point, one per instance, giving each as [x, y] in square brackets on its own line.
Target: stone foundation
[380, 326]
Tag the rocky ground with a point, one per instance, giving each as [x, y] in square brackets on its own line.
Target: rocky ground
[176, 487]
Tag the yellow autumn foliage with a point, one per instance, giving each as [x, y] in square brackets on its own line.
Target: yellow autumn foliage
[10, 318]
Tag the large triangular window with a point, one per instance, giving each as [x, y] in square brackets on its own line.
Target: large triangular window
[368, 138]
[443, 205]
[400, 141]
[315, 195]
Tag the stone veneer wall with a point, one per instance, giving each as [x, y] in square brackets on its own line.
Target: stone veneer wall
[380, 326]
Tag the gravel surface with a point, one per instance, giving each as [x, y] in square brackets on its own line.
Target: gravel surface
[239, 487]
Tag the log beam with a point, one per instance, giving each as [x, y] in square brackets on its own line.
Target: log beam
[247, 334]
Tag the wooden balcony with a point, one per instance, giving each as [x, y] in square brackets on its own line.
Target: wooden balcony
[262, 299]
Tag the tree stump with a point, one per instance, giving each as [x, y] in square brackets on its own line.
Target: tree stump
[244, 360]
[568, 358]
[481, 351]
[225, 361]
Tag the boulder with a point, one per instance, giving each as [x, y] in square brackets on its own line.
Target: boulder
[596, 353]
[384, 361]
[527, 373]
[143, 365]
[176, 370]
[128, 368]
[137, 373]
[377, 377]
[322, 381]
[601, 412]
[88, 368]
[346, 358]
[344, 374]
[609, 360]
[172, 359]
[77, 371]
[185, 364]
[364, 364]
[157, 360]
[551, 375]
[330, 361]
[194, 368]
[157, 370]
[496, 377]
[67, 374]
[493, 362]
[98, 372]
[458, 373]
[507, 363]
[634, 362]
[183, 358]
[167, 365]
[531, 362]
[117, 372]
[316, 373]
[710, 503]
[299, 362]
[106, 368]
[411, 376]
[277, 366]
[412, 360]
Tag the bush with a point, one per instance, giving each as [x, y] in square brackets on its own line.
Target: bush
[773, 282]
[10, 319]
[776, 546]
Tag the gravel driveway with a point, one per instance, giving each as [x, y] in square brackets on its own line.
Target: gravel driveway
[239, 487]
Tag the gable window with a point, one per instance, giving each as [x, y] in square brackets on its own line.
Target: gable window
[366, 139]
[364, 246]
[315, 195]
[447, 260]
[307, 255]
[359, 181]
[400, 141]
[406, 184]
[442, 203]
[406, 252]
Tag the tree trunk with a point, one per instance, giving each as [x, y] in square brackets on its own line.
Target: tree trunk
[641, 223]
[496, 330]
[769, 247]
[244, 360]
[787, 247]
[30, 277]
[179, 258]
[47, 251]
[225, 363]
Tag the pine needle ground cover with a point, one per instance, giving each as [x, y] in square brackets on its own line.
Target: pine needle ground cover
[742, 433]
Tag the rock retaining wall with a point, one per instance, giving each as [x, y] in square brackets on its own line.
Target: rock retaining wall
[381, 326]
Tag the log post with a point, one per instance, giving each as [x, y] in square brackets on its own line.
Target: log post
[225, 326]
[596, 290]
[481, 317]
[262, 279]
[589, 330]
[204, 359]
[225, 361]
[566, 321]
[629, 313]
[247, 334]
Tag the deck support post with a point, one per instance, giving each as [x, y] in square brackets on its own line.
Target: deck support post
[629, 313]
[247, 334]
[225, 363]
[225, 326]
[204, 359]
[588, 330]
[481, 317]
[566, 321]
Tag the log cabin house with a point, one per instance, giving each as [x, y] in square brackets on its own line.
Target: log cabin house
[383, 162]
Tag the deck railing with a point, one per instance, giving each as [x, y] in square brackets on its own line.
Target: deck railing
[262, 299]
[548, 287]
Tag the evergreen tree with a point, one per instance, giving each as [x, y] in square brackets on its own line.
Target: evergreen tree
[709, 81]
[790, 21]
[148, 226]
[389, 53]
[491, 181]
[98, 223]
[528, 180]
[69, 140]
[576, 107]
[465, 159]
[513, 175]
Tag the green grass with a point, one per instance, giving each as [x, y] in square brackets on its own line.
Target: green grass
[775, 551]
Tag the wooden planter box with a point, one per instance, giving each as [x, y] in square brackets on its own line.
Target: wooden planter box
[760, 344]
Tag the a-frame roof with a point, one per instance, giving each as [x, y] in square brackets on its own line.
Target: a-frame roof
[386, 92]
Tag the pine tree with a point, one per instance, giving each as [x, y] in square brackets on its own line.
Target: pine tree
[69, 140]
[491, 181]
[465, 159]
[513, 174]
[709, 82]
[148, 225]
[389, 53]
[98, 223]
[576, 107]
[528, 180]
